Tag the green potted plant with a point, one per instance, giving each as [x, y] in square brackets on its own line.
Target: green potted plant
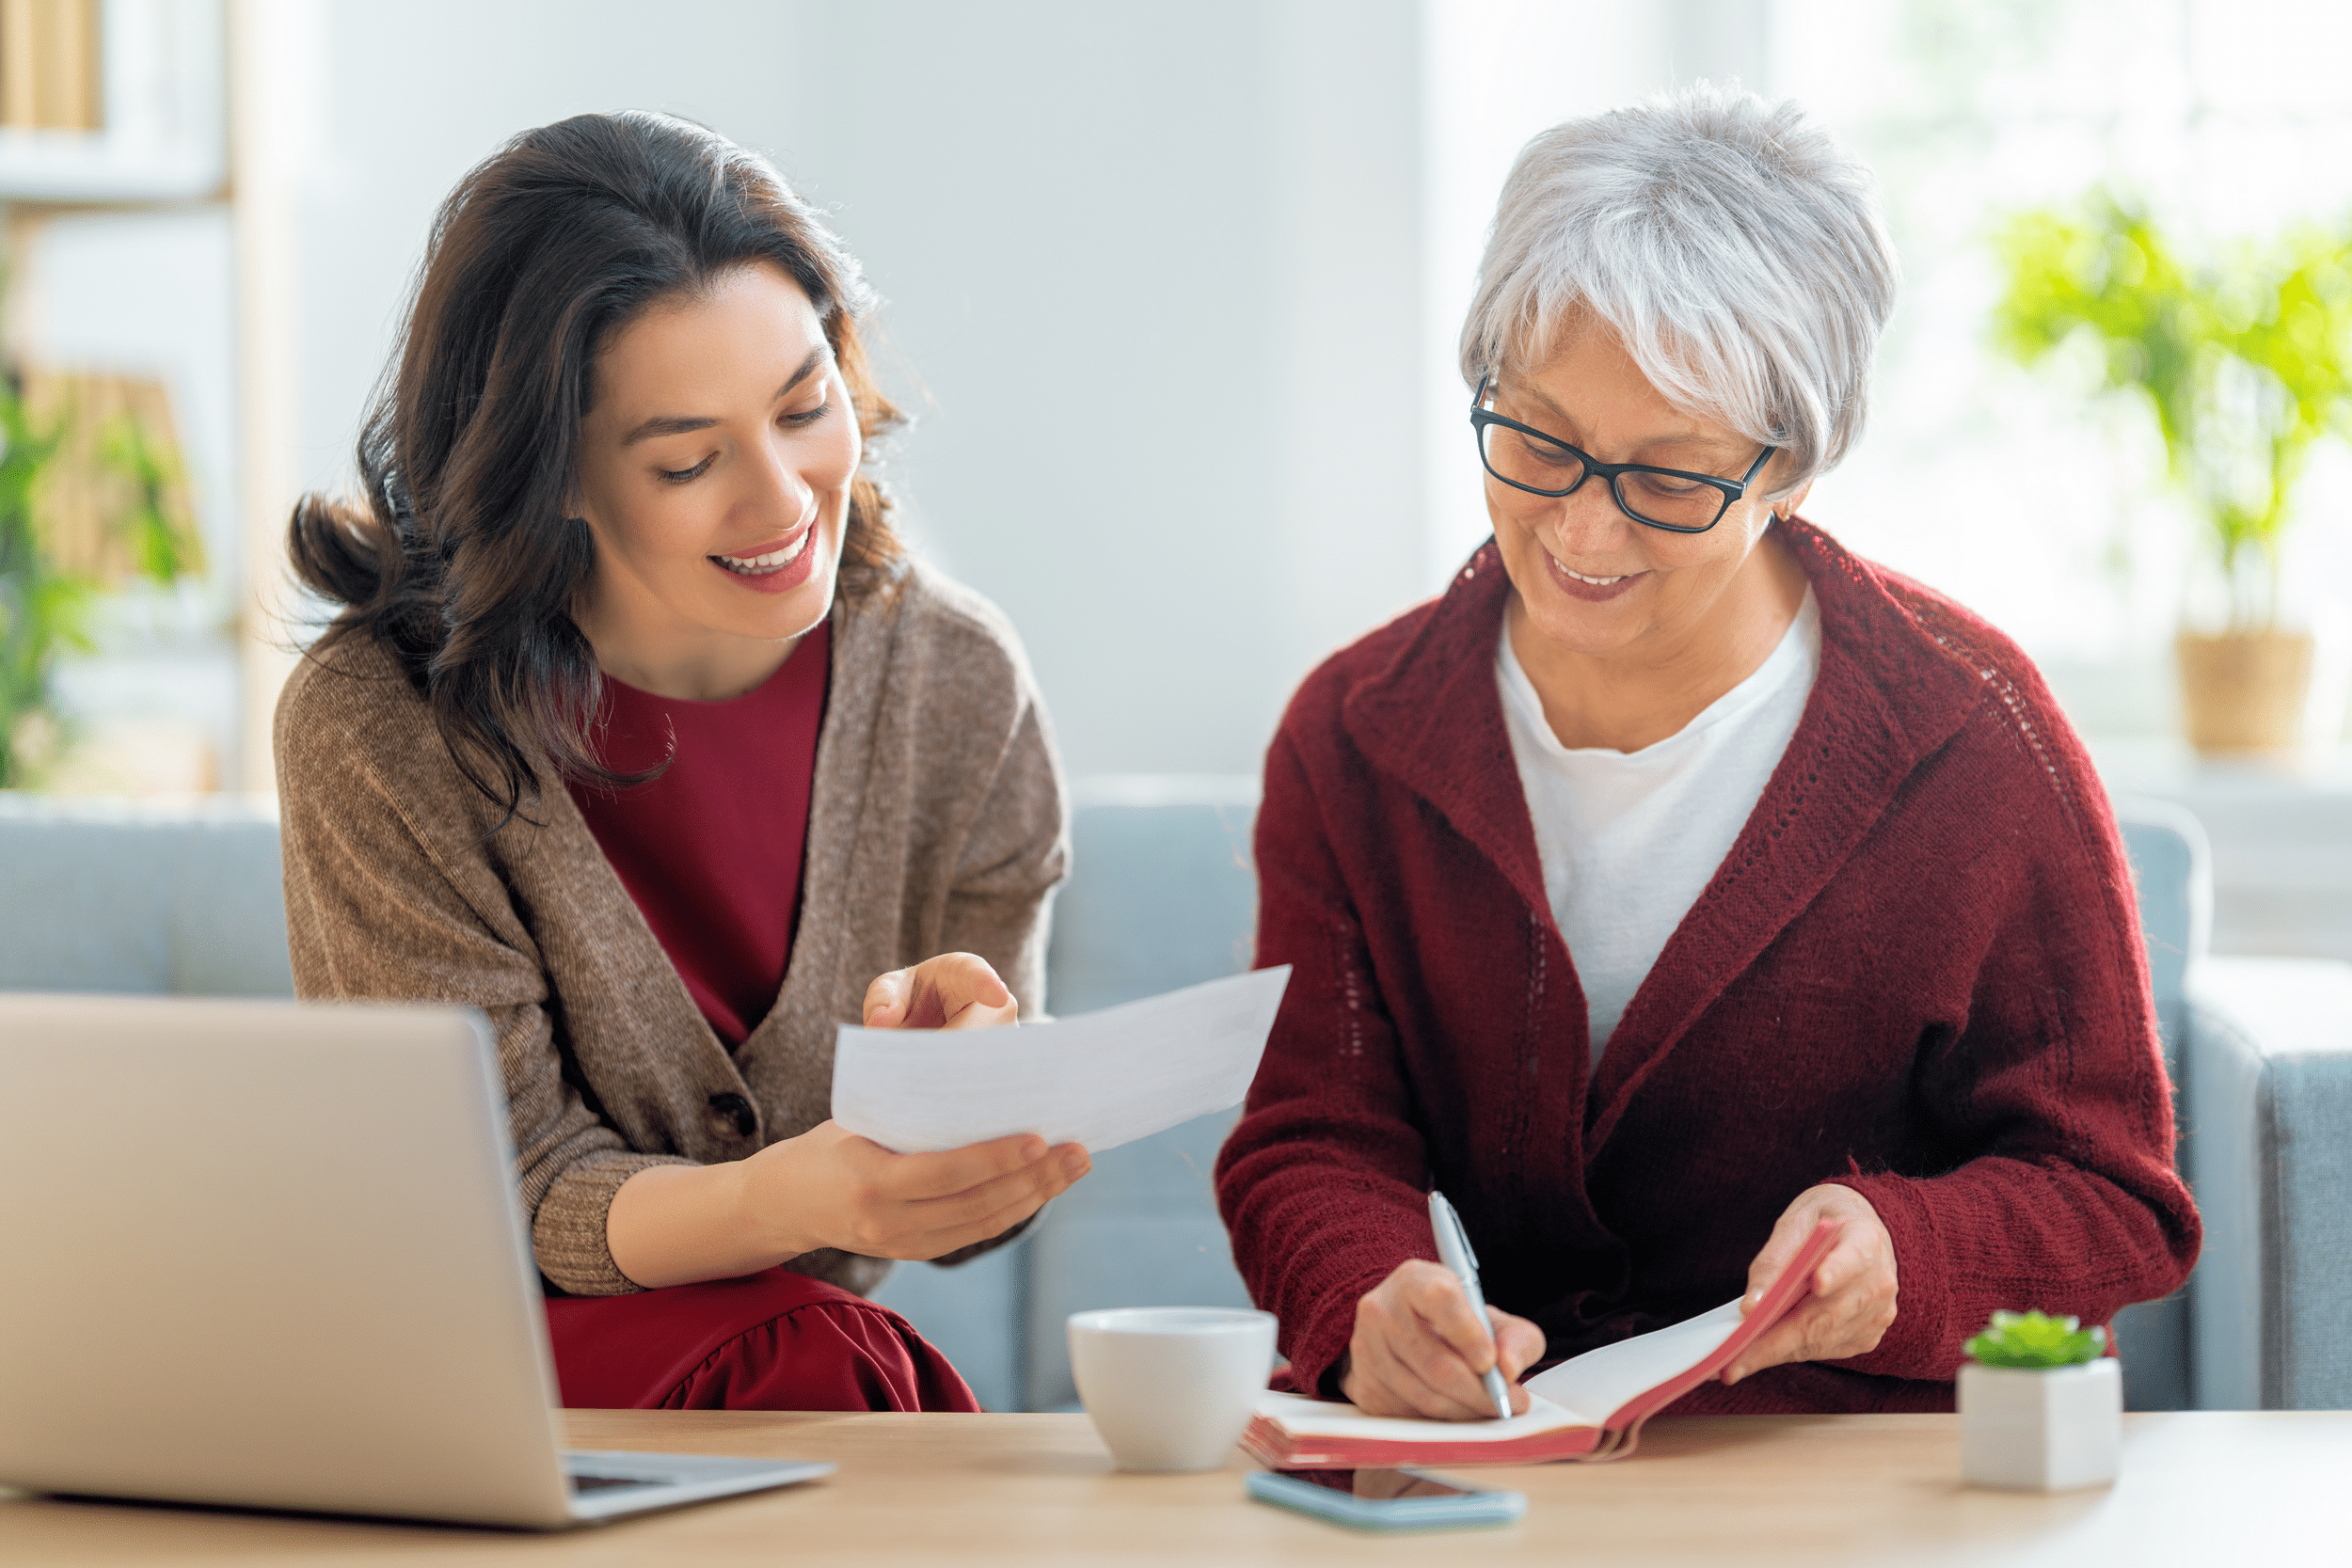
[2244, 364]
[87, 499]
[2041, 1404]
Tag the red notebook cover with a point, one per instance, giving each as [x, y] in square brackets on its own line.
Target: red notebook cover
[1289, 1432]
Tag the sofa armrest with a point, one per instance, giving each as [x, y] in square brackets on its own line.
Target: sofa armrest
[2269, 1115]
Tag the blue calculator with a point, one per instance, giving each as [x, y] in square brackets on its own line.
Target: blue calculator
[1385, 1500]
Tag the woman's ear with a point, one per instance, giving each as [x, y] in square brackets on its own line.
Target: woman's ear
[1786, 507]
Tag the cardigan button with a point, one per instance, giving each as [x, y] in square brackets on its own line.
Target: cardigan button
[739, 1110]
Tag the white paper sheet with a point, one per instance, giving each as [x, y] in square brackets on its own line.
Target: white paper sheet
[1100, 1079]
[1602, 1380]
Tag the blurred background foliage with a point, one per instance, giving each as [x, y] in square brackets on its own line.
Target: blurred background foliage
[2244, 360]
[91, 496]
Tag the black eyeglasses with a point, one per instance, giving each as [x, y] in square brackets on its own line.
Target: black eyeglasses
[1526, 459]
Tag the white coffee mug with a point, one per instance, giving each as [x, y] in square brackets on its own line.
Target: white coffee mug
[1170, 1388]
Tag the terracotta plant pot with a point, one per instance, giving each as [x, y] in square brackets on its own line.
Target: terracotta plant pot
[2245, 692]
[2040, 1429]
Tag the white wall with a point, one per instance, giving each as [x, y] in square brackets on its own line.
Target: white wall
[1149, 267]
[1153, 283]
[1170, 288]
[1495, 74]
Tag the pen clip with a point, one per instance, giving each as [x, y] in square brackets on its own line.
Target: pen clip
[1439, 1204]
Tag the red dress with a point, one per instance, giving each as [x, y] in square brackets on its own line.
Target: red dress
[711, 849]
[710, 852]
[1918, 974]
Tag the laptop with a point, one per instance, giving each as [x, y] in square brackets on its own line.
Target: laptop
[268, 1254]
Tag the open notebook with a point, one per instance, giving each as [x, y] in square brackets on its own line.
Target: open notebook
[1589, 1408]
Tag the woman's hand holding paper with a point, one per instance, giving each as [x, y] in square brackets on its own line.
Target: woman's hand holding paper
[1853, 1304]
[1419, 1350]
[831, 1188]
[672, 1225]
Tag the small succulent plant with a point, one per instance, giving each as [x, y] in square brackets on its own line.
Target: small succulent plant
[2035, 1339]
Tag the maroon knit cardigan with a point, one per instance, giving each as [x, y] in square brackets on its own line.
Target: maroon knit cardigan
[1918, 973]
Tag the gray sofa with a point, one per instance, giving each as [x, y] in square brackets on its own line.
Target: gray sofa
[185, 899]
[2270, 1154]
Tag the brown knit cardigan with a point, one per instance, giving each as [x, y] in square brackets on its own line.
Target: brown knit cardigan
[937, 823]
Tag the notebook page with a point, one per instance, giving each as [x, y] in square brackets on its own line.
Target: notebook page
[1100, 1079]
[1305, 1418]
[1604, 1379]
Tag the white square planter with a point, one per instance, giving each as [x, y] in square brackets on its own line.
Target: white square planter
[2040, 1429]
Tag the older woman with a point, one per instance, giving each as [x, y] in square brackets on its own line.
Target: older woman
[1679, 879]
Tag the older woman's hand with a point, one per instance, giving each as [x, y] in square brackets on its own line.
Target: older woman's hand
[1853, 1287]
[1420, 1350]
[954, 990]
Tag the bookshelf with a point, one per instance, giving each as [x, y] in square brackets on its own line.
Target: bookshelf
[146, 106]
[49, 66]
[110, 101]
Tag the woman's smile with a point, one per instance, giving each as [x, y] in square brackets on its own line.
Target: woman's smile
[773, 568]
[1591, 587]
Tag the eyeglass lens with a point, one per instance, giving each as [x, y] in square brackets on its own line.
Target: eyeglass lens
[1536, 464]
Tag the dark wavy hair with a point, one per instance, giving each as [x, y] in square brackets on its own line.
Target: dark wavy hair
[461, 555]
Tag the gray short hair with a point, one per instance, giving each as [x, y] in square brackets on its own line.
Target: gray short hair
[1734, 245]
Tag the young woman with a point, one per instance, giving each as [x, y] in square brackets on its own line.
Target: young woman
[639, 731]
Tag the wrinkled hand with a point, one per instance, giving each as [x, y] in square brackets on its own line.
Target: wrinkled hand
[954, 990]
[831, 1188]
[1853, 1301]
[1420, 1350]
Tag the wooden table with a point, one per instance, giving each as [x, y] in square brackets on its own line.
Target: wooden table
[2210, 1489]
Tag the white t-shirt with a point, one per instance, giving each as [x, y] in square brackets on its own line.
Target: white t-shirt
[1630, 839]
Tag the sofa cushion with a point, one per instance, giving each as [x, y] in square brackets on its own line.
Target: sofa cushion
[174, 896]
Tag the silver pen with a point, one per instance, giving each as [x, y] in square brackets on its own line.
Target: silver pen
[1454, 1251]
